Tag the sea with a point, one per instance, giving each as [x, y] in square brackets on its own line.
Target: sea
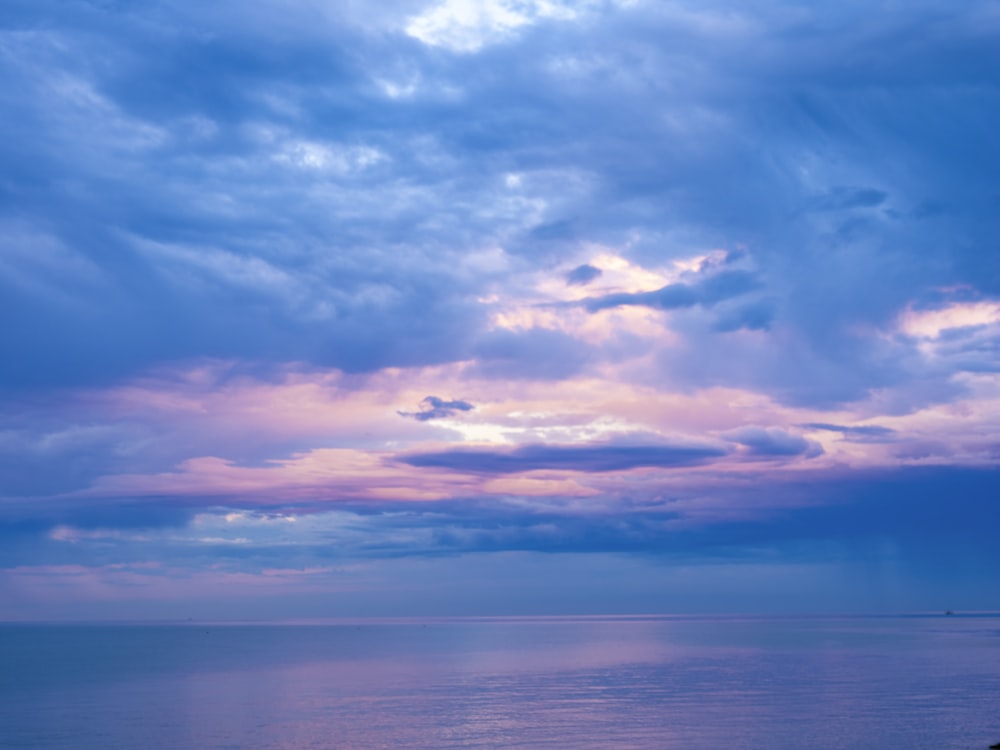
[691, 683]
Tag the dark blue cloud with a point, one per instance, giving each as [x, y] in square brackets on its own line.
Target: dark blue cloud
[709, 291]
[437, 408]
[844, 198]
[589, 458]
[774, 442]
[582, 275]
[190, 103]
[937, 523]
[752, 316]
[921, 518]
[173, 128]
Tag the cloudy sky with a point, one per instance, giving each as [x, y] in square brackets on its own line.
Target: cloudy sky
[327, 307]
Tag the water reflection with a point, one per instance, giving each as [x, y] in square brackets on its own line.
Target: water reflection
[602, 683]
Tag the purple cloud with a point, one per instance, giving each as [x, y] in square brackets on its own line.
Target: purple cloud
[583, 275]
[587, 458]
[773, 442]
[437, 408]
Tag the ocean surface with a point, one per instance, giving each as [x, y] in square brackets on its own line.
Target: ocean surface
[689, 683]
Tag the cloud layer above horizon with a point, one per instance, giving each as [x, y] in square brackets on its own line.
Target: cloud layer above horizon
[298, 297]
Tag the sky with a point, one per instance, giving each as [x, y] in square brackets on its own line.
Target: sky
[322, 308]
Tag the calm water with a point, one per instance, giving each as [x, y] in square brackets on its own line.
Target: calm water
[579, 683]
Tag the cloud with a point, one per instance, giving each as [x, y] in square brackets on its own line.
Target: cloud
[753, 316]
[774, 442]
[582, 275]
[466, 26]
[530, 354]
[235, 237]
[950, 319]
[215, 154]
[436, 408]
[585, 458]
[918, 516]
[860, 433]
[709, 291]
[846, 198]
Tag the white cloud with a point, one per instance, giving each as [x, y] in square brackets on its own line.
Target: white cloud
[930, 323]
[328, 157]
[469, 25]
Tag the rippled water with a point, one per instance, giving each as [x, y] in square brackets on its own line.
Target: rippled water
[562, 683]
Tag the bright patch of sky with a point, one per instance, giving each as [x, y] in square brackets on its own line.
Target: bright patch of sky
[468, 25]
